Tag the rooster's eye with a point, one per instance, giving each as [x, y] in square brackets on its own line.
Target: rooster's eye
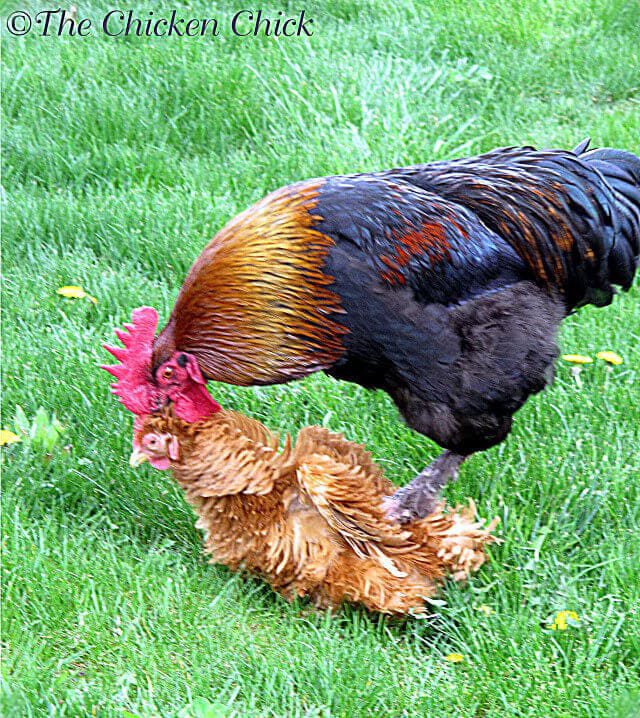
[167, 373]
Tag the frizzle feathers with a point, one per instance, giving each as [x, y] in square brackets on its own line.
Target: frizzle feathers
[309, 518]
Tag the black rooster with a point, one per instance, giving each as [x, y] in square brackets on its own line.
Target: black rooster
[443, 284]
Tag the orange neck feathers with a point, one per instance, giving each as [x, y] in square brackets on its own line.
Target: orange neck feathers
[256, 307]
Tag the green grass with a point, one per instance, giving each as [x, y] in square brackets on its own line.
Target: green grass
[121, 158]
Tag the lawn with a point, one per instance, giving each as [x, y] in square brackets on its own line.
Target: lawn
[121, 158]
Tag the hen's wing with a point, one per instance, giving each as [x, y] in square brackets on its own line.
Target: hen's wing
[348, 495]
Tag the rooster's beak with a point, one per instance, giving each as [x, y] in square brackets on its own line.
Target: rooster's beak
[137, 457]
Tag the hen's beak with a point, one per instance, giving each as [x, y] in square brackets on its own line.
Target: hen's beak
[137, 457]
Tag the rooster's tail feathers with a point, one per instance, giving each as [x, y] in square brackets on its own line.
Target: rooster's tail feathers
[621, 171]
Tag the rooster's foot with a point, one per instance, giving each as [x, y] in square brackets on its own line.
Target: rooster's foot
[420, 498]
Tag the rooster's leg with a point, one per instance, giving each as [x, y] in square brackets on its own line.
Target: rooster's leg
[420, 498]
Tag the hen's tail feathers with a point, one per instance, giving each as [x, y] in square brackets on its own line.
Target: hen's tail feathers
[461, 538]
[621, 171]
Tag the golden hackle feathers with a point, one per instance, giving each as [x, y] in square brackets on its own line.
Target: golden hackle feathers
[309, 518]
[247, 324]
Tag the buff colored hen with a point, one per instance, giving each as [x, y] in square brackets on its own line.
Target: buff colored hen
[309, 518]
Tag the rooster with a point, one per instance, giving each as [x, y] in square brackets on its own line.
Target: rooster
[308, 518]
[443, 284]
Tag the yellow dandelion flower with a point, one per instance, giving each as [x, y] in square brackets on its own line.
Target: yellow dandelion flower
[8, 437]
[74, 292]
[483, 608]
[577, 359]
[454, 658]
[565, 619]
[610, 358]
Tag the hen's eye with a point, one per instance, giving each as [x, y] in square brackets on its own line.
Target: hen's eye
[151, 441]
[167, 373]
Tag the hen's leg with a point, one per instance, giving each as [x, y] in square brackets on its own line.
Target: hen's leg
[419, 498]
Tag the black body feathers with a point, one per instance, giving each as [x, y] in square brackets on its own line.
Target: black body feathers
[621, 171]
[454, 276]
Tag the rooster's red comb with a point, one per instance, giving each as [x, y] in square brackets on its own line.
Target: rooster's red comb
[134, 385]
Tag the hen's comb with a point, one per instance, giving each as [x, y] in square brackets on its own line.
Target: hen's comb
[134, 385]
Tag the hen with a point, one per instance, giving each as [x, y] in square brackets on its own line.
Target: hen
[308, 518]
[443, 284]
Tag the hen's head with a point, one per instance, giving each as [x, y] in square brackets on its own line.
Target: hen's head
[143, 390]
[153, 441]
